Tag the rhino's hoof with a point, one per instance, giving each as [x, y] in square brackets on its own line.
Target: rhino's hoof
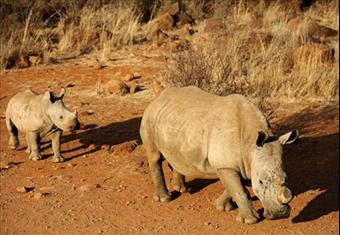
[166, 197]
[35, 158]
[58, 159]
[28, 150]
[228, 206]
[14, 147]
[180, 188]
[248, 220]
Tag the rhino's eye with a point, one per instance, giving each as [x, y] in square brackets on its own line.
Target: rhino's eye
[61, 117]
[261, 182]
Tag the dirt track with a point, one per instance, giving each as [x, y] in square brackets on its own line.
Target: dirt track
[105, 188]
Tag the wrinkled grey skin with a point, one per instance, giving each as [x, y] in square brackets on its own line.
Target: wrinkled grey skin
[207, 136]
[37, 116]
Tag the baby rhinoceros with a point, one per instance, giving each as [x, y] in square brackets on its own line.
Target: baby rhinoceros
[38, 116]
[207, 136]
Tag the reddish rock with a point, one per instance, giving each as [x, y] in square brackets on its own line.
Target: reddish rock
[165, 22]
[314, 52]
[22, 62]
[116, 86]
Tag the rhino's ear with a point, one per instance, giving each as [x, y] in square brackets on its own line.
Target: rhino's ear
[261, 139]
[62, 93]
[289, 137]
[50, 96]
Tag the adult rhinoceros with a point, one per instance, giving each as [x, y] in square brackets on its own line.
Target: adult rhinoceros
[208, 136]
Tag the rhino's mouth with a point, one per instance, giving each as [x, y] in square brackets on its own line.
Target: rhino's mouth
[278, 213]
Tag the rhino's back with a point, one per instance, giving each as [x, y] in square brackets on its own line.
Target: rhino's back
[25, 110]
[193, 128]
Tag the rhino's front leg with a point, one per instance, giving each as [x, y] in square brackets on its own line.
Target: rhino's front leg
[33, 146]
[55, 138]
[223, 202]
[178, 182]
[232, 182]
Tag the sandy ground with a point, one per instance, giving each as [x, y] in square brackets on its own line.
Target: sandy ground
[104, 187]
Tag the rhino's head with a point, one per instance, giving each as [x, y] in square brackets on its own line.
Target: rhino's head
[269, 180]
[58, 113]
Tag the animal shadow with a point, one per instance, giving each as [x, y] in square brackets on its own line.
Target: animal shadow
[111, 134]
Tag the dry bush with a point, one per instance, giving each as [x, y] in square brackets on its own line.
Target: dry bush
[70, 28]
[255, 60]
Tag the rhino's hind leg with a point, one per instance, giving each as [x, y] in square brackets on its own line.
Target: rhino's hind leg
[13, 142]
[155, 164]
[32, 144]
[232, 182]
[178, 182]
[223, 202]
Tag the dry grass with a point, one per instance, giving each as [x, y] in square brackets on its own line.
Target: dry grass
[255, 59]
[78, 28]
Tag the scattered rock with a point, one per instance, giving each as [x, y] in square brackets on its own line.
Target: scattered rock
[313, 52]
[214, 25]
[34, 60]
[89, 112]
[128, 77]
[133, 88]
[184, 18]
[164, 22]
[22, 189]
[22, 62]
[116, 86]
[177, 46]
[91, 147]
[40, 195]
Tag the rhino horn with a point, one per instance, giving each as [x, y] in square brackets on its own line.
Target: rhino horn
[284, 195]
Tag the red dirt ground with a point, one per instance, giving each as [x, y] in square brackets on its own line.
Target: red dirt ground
[104, 187]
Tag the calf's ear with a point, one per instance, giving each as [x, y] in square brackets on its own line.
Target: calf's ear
[289, 137]
[49, 96]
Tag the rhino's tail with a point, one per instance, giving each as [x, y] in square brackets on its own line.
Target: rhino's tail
[13, 133]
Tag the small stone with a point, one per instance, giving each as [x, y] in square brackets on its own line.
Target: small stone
[34, 60]
[207, 223]
[89, 112]
[128, 77]
[39, 195]
[116, 86]
[22, 62]
[133, 88]
[91, 147]
[22, 189]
